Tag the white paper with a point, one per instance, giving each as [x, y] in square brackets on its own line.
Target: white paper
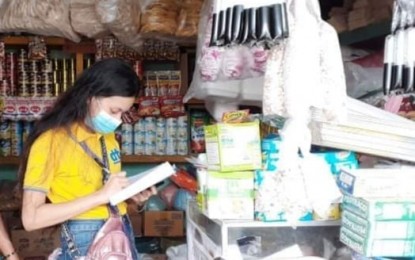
[143, 181]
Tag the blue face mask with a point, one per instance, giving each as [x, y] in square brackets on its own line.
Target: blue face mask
[103, 123]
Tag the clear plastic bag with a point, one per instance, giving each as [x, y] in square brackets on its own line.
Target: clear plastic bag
[46, 17]
[188, 18]
[84, 19]
[122, 18]
[160, 16]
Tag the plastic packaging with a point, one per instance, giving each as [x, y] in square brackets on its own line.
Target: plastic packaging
[84, 19]
[46, 17]
[122, 18]
[160, 16]
[188, 19]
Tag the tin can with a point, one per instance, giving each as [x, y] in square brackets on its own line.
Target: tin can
[182, 121]
[5, 147]
[5, 130]
[171, 127]
[182, 147]
[182, 133]
[46, 77]
[5, 89]
[23, 77]
[127, 148]
[33, 66]
[48, 90]
[149, 148]
[139, 148]
[161, 146]
[150, 124]
[56, 64]
[161, 128]
[47, 65]
[127, 133]
[11, 60]
[2, 71]
[25, 90]
[16, 138]
[56, 89]
[171, 146]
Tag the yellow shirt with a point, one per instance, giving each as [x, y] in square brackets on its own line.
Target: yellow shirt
[60, 167]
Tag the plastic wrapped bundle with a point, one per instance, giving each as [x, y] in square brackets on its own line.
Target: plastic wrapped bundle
[46, 17]
[188, 19]
[160, 16]
[85, 20]
[122, 18]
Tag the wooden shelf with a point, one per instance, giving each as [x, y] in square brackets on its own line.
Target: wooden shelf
[24, 40]
[9, 160]
[194, 101]
[153, 159]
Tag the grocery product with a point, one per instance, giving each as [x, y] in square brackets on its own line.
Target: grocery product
[84, 19]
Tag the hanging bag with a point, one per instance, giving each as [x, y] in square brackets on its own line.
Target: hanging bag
[111, 242]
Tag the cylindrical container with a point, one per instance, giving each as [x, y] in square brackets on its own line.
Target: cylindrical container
[182, 147]
[149, 147]
[16, 138]
[150, 124]
[33, 66]
[127, 132]
[182, 121]
[161, 145]
[2, 71]
[171, 127]
[23, 77]
[5, 146]
[25, 90]
[5, 128]
[127, 148]
[182, 133]
[171, 146]
[5, 90]
[161, 128]
[35, 84]
[47, 65]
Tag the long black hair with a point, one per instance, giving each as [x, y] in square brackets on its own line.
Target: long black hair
[106, 78]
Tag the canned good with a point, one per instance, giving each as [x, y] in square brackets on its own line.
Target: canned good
[182, 121]
[56, 76]
[182, 147]
[150, 124]
[139, 148]
[16, 138]
[5, 89]
[11, 60]
[127, 148]
[2, 71]
[161, 146]
[182, 133]
[140, 125]
[127, 133]
[25, 90]
[34, 78]
[48, 90]
[56, 89]
[5, 147]
[149, 148]
[33, 66]
[23, 77]
[5, 130]
[171, 146]
[47, 65]
[46, 78]
[56, 64]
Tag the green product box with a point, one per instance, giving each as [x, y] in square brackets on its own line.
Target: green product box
[376, 229]
[233, 147]
[380, 208]
[377, 247]
[230, 195]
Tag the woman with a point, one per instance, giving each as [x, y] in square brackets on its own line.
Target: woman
[6, 246]
[63, 183]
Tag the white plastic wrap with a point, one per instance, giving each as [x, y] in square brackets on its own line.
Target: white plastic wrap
[84, 19]
[122, 18]
[46, 17]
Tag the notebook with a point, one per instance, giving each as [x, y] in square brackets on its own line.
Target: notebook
[143, 181]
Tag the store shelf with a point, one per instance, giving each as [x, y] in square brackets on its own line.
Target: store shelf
[195, 101]
[24, 40]
[9, 160]
[257, 224]
[153, 158]
[366, 33]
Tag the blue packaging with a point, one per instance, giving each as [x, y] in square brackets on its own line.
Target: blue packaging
[338, 159]
[270, 149]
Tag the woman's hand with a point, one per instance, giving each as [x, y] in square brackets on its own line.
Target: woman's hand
[115, 183]
[143, 196]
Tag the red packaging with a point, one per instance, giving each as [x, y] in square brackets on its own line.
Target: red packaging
[148, 106]
[172, 106]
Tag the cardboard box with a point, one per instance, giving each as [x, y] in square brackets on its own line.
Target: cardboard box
[371, 183]
[375, 229]
[380, 208]
[233, 147]
[37, 244]
[136, 220]
[163, 223]
[230, 195]
[377, 247]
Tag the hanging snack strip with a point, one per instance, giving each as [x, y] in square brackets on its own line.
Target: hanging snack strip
[399, 56]
[249, 22]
